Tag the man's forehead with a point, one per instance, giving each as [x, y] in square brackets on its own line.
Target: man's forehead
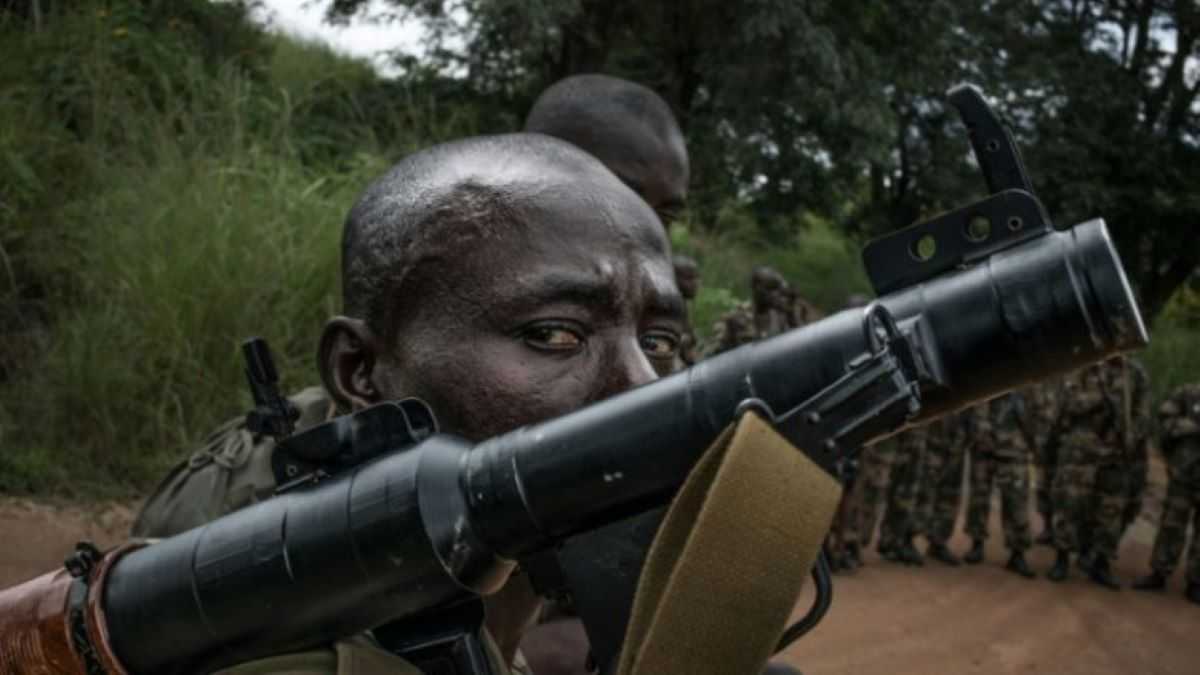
[600, 276]
[506, 277]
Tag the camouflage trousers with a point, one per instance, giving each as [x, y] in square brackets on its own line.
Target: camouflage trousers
[869, 491]
[1181, 506]
[940, 492]
[1047, 463]
[900, 519]
[1089, 495]
[1136, 478]
[1010, 475]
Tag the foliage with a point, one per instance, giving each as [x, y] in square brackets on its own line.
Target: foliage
[160, 204]
[820, 262]
[765, 91]
[1114, 126]
[838, 108]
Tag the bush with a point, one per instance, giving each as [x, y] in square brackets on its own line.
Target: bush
[1173, 357]
[158, 204]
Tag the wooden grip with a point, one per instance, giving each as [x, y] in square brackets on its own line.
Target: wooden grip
[55, 624]
[35, 628]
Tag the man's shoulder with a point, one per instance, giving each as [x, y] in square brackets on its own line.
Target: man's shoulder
[230, 470]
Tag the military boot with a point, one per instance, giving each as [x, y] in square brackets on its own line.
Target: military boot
[938, 551]
[975, 555]
[1062, 565]
[1155, 581]
[909, 555]
[1016, 563]
[1193, 592]
[1099, 571]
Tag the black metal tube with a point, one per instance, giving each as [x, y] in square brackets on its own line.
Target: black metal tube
[302, 568]
[415, 529]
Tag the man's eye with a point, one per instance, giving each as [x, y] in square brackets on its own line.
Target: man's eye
[553, 337]
[660, 345]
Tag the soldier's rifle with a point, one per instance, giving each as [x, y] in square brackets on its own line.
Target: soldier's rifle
[388, 524]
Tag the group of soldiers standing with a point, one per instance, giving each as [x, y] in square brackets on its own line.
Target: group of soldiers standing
[1086, 438]
[774, 307]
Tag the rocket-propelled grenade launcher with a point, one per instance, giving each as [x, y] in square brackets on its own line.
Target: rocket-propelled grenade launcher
[406, 526]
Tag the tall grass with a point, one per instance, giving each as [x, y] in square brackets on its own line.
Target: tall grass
[201, 204]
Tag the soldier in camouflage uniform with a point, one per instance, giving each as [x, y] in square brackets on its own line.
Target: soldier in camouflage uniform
[1042, 404]
[869, 493]
[1088, 490]
[1000, 456]
[1120, 482]
[764, 316]
[855, 521]
[800, 312]
[900, 521]
[1136, 426]
[941, 488]
[1179, 421]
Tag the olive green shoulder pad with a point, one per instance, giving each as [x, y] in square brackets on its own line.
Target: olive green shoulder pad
[230, 470]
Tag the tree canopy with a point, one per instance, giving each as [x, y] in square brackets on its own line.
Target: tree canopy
[837, 108]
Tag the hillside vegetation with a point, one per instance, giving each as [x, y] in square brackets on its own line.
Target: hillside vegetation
[173, 180]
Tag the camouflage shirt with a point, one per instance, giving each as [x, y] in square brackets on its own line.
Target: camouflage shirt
[1130, 387]
[1041, 401]
[998, 427]
[1010, 425]
[741, 326]
[1179, 422]
[1089, 406]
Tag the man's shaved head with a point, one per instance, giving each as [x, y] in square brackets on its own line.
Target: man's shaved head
[626, 126]
[432, 202]
[504, 280]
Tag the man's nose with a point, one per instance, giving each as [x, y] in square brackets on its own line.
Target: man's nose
[631, 368]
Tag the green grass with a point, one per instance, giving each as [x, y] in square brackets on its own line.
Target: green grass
[154, 221]
[1173, 357]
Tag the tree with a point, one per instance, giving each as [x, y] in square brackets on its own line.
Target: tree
[1109, 108]
[838, 108]
[764, 90]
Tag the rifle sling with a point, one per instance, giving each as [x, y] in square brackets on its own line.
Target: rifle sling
[727, 566]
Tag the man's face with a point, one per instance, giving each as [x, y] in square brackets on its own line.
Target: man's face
[661, 180]
[688, 281]
[784, 298]
[574, 305]
[768, 290]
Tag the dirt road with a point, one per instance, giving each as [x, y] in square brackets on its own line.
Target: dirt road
[898, 620]
[885, 619]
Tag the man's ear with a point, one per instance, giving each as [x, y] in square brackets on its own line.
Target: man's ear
[346, 358]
